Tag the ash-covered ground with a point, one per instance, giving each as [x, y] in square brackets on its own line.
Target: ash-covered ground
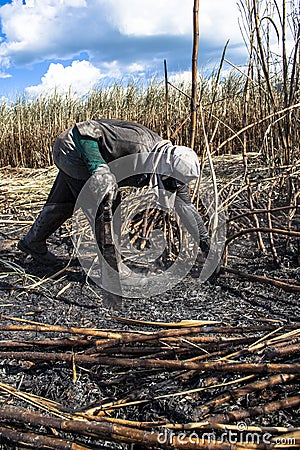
[30, 292]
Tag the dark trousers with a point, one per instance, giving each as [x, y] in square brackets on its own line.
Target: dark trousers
[65, 189]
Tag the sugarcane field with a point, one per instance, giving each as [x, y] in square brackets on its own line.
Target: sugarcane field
[150, 300]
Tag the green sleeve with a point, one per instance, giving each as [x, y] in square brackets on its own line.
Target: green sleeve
[89, 151]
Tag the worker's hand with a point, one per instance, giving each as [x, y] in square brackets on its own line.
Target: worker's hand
[104, 184]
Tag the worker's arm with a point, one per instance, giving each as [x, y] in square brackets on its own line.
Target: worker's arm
[191, 218]
[102, 182]
[88, 149]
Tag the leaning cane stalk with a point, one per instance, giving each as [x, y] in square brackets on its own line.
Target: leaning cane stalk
[214, 179]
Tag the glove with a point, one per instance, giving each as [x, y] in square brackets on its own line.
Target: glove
[103, 183]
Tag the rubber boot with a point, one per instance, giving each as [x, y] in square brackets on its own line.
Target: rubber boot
[52, 216]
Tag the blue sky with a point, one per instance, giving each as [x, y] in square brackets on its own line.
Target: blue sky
[79, 43]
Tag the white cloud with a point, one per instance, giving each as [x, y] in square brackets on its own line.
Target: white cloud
[180, 77]
[45, 29]
[117, 37]
[148, 18]
[5, 101]
[81, 77]
[4, 75]
[218, 19]
[136, 67]
[39, 29]
[4, 65]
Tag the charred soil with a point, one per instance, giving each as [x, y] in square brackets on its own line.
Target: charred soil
[200, 358]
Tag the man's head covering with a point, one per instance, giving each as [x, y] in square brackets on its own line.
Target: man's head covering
[186, 165]
[166, 159]
[174, 161]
